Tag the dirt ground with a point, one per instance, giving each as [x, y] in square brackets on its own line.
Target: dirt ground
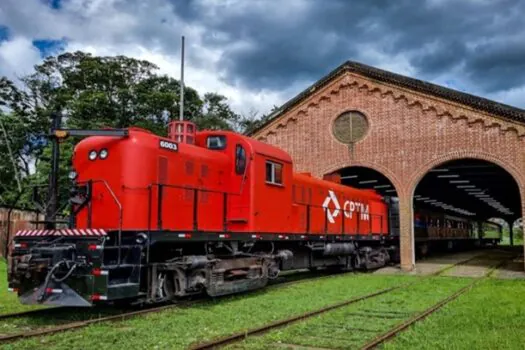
[512, 269]
[475, 263]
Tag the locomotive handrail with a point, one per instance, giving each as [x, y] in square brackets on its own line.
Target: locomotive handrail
[112, 195]
[120, 218]
[358, 217]
[195, 190]
[119, 205]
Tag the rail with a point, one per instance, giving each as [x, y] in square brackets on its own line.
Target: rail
[233, 339]
[398, 328]
[120, 316]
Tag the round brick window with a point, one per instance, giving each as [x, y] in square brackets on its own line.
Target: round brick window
[350, 127]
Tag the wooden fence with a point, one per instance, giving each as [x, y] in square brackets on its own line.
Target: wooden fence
[20, 220]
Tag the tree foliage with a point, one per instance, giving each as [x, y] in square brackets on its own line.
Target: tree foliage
[91, 92]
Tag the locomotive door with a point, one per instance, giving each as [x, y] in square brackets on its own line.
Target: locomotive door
[238, 199]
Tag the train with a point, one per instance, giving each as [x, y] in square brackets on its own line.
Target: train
[437, 231]
[154, 219]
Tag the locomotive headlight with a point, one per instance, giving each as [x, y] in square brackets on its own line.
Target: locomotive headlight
[92, 155]
[72, 175]
[103, 153]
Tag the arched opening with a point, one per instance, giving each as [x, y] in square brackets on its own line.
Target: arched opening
[454, 201]
[367, 178]
[497, 227]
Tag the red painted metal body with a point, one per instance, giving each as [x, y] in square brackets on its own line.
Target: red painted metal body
[151, 183]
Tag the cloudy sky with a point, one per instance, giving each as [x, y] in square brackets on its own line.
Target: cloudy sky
[260, 53]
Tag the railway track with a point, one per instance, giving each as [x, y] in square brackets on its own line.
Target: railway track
[301, 278]
[282, 281]
[394, 331]
[297, 278]
[81, 324]
[243, 335]
[35, 312]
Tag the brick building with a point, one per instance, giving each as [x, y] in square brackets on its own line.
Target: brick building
[400, 127]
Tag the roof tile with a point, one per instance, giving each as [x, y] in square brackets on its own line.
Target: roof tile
[497, 109]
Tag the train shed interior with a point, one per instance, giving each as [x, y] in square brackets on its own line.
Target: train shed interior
[471, 189]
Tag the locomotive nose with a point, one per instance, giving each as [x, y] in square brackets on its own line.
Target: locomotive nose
[53, 274]
[57, 294]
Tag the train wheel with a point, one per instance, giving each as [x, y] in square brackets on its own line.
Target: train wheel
[165, 286]
[169, 285]
[357, 261]
[347, 264]
[196, 281]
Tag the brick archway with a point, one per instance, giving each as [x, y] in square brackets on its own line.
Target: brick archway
[377, 167]
[458, 155]
[407, 201]
[413, 126]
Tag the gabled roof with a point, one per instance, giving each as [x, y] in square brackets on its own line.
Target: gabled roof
[497, 109]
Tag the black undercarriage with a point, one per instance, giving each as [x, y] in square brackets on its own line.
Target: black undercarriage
[159, 266]
[154, 267]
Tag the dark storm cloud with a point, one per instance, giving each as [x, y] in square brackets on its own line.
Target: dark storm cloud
[280, 49]
[498, 66]
[440, 57]
[482, 42]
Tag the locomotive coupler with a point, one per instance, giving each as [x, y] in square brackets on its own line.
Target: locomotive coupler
[55, 264]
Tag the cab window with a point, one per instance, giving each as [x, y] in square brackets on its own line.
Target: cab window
[217, 142]
[240, 160]
[274, 173]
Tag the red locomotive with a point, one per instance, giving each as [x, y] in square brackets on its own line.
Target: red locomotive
[158, 218]
[154, 219]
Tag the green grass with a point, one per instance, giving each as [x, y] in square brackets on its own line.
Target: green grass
[354, 325]
[179, 328]
[8, 300]
[505, 236]
[67, 315]
[491, 316]
[9, 303]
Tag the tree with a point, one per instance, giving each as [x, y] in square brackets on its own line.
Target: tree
[216, 114]
[92, 92]
[10, 176]
[250, 123]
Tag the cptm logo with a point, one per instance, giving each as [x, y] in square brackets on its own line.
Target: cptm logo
[349, 207]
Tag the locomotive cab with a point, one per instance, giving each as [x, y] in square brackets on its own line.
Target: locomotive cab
[257, 170]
